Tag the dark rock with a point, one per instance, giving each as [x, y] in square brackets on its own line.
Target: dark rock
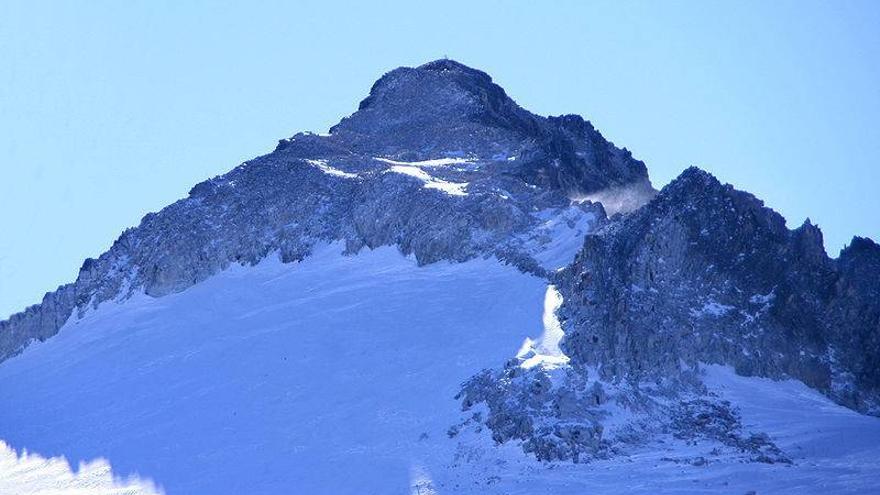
[706, 273]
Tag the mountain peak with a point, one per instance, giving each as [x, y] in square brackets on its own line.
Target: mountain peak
[447, 64]
[437, 72]
[861, 246]
[439, 104]
[441, 188]
[691, 185]
[446, 109]
[695, 176]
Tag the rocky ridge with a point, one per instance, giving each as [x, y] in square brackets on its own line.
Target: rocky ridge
[441, 163]
[438, 160]
[706, 273]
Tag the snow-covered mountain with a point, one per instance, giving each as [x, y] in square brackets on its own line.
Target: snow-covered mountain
[450, 294]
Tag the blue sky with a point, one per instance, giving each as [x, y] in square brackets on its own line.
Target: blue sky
[109, 110]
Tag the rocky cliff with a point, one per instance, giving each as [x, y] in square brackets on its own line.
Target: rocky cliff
[706, 273]
[439, 161]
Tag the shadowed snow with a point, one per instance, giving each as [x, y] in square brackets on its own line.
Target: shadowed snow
[333, 375]
[338, 374]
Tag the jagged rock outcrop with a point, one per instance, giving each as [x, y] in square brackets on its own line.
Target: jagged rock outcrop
[570, 413]
[703, 273]
[438, 160]
[444, 107]
[706, 273]
[554, 419]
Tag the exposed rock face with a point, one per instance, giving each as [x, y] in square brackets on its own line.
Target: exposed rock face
[707, 273]
[440, 162]
[701, 274]
[492, 167]
[554, 419]
[853, 319]
[445, 107]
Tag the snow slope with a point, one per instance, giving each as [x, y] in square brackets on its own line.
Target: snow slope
[338, 374]
[334, 375]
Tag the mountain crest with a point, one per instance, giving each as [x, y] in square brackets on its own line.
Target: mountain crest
[439, 164]
[694, 181]
[440, 105]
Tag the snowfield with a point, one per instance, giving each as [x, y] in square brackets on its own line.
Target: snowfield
[334, 375]
[338, 374]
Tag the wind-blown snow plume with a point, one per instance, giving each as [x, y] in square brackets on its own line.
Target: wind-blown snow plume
[621, 199]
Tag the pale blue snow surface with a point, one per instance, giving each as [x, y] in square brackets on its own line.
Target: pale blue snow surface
[337, 375]
[319, 377]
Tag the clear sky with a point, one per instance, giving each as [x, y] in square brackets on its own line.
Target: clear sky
[110, 110]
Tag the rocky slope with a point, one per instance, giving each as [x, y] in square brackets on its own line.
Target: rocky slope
[706, 273]
[701, 274]
[439, 162]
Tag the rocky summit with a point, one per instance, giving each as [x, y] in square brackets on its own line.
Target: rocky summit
[706, 273]
[648, 294]
[438, 160]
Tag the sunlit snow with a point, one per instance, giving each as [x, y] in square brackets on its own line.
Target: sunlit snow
[323, 166]
[546, 352]
[437, 162]
[27, 473]
[451, 188]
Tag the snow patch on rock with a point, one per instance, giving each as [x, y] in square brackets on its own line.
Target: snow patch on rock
[711, 308]
[545, 352]
[431, 182]
[437, 162]
[323, 166]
